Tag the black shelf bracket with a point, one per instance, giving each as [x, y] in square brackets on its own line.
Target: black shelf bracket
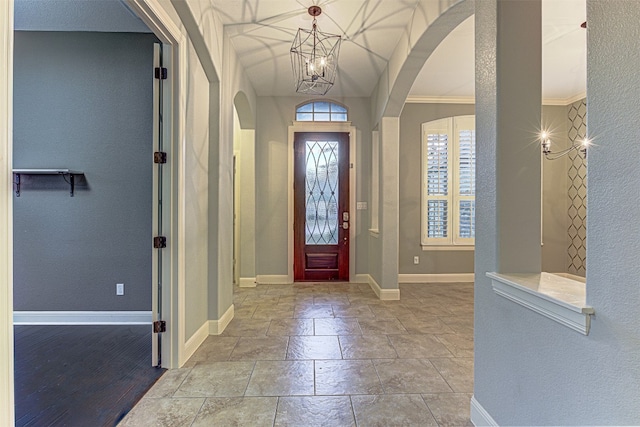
[63, 172]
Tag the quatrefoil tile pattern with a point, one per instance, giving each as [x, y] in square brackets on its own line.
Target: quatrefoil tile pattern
[577, 191]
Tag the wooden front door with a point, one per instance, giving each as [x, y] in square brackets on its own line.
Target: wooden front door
[321, 206]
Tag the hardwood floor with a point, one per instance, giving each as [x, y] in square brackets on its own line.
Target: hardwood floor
[80, 375]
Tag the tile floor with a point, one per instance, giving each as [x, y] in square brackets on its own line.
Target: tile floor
[326, 354]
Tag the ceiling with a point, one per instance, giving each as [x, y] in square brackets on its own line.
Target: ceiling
[262, 31]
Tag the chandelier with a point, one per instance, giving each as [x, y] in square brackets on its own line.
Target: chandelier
[314, 58]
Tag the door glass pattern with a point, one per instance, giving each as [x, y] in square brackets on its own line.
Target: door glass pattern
[321, 183]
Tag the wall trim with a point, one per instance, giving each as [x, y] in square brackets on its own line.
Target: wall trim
[479, 416]
[195, 341]
[247, 282]
[436, 278]
[82, 317]
[383, 294]
[216, 327]
[274, 279]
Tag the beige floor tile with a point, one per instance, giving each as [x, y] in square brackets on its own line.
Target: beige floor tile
[402, 361]
[352, 311]
[282, 378]
[287, 327]
[311, 311]
[260, 348]
[244, 311]
[296, 299]
[262, 299]
[237, 411]
[330, 299]
[341, 377]
[340, 326]
[246, 328]
[390, 311]
[431, 310]
[406, 376]
[315, 411]
[366, 347]
[458, 372]
[425, 325]
[313, 347]
[381, 326]
[168, 383]
[450, 409]
[163, 412]
[412, 346]
[214, 349]
[273, 311]
[218, 379]
[458, 345]
[392, 410]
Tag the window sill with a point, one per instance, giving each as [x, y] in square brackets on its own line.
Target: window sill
[559, 298]
[448, 247]
[374, 232]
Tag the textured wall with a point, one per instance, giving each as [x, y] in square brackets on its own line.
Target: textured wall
[577, 191]
[83, 101]
[529, 370]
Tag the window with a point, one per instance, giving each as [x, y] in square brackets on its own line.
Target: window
[321, 111]
[448, 187]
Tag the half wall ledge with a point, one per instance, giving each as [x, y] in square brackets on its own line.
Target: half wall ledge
[559, 298]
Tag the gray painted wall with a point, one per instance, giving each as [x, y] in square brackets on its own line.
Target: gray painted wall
[431, 262]
[555, 200]
[530, 370]
[275, 115]
[83, 101]
[75, 15]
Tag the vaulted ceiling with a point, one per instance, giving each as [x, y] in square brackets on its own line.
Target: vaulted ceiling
[262, 32]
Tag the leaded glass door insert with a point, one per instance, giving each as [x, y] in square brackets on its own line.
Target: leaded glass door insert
[321, 182]
[321, 193]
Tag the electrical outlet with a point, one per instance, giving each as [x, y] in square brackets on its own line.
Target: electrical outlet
[416, 260]
[119, 288]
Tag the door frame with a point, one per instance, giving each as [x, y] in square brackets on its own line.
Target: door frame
[174, 179]
[353, 137]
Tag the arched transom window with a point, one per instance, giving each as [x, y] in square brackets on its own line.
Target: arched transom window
[321, 111]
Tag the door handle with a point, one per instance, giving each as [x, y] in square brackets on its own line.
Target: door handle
[345, 225]
[345, 216]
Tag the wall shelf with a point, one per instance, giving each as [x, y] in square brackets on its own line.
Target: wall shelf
[63, 172]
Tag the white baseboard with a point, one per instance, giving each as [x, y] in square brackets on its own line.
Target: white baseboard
[479, 416]
[82, 317]
[248, 282]
[436, 278]
[362, 278]
[273, 280]
[383, 294]
[195, 341]
[216, 327]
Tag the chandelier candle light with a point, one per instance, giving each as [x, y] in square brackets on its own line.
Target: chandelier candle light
[314, 58]
[546, 147]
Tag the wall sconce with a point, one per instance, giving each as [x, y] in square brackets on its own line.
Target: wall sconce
[550, 155]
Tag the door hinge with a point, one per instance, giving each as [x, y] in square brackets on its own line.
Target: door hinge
[159, 326]
[161, 73]
[159, 242]
[159, 157]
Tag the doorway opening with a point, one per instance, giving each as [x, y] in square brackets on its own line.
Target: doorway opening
[321, 206]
